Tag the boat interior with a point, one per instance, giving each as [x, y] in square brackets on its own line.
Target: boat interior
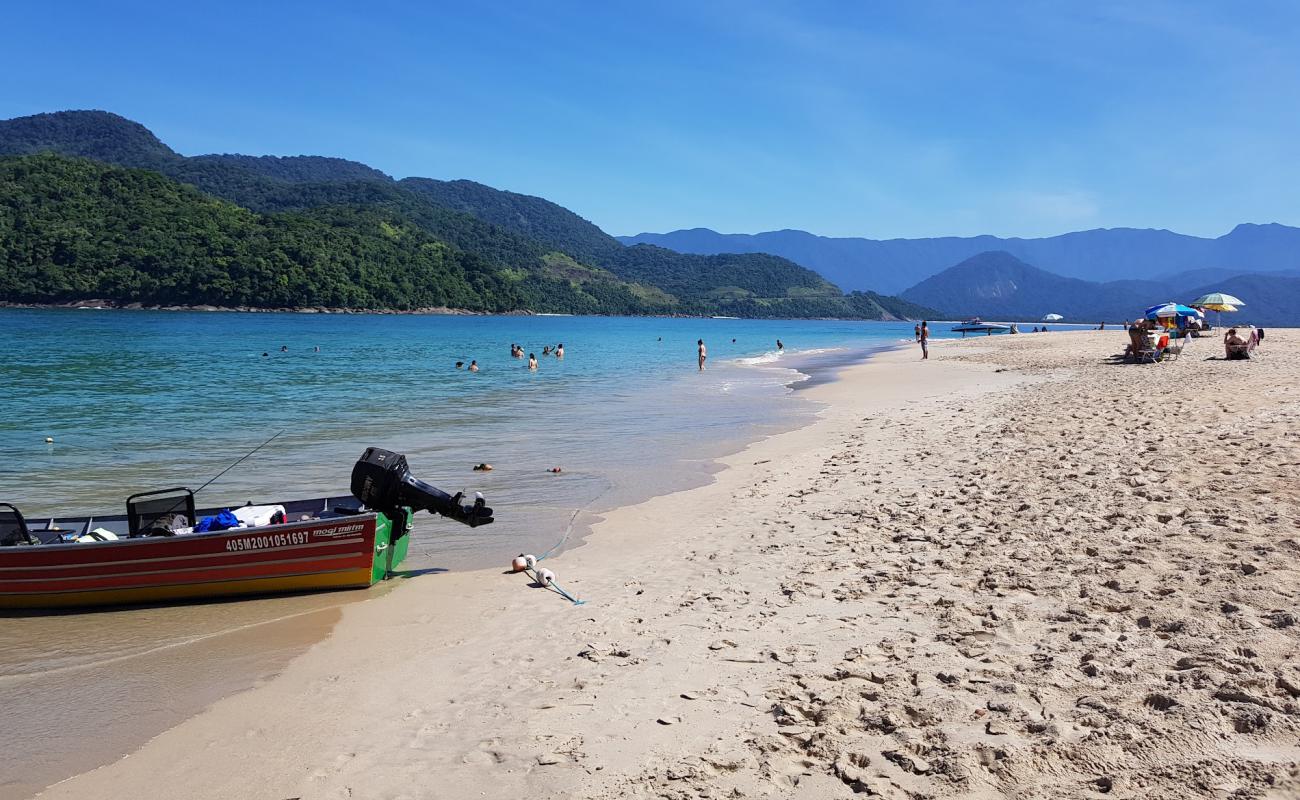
[167, 512]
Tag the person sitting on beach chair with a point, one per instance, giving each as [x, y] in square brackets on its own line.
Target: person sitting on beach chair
[1236, 348]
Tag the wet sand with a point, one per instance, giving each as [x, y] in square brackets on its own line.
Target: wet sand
[102, 697]
[1015, 570]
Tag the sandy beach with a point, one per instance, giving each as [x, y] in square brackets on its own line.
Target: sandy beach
[1014, 570]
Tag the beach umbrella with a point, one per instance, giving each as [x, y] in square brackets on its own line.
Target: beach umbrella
[1214, 299]
[1052, 317]
[1169, 310]
[1220, 302]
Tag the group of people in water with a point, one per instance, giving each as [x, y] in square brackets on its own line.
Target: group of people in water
[517, 351]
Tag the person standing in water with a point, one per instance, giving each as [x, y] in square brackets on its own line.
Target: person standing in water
[703, 352]
[473, 366]
[559, 350]
[924, 339]
[916, 331]
[532, 361]
[779, 346]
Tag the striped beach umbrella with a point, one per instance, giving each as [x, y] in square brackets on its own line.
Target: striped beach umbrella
[1219, 302]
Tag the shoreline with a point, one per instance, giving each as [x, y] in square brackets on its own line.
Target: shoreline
[718, 607]
[582, 536]
[801, 413]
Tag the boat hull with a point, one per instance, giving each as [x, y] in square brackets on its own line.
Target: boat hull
[338, 553]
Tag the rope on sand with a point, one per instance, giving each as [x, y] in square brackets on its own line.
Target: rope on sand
[545, 578]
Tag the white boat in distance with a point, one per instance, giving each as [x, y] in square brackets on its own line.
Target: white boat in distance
[977, 325]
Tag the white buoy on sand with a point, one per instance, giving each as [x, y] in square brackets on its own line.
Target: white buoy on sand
[545, 577]
[530, 561]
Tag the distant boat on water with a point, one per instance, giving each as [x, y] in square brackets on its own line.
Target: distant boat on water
[977, 325]
[720, 316]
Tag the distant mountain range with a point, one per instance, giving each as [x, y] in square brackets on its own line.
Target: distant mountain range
[1116, 254]
[999, 286]
[145, 224]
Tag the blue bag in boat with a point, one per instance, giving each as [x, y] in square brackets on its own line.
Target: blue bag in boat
[220, 522]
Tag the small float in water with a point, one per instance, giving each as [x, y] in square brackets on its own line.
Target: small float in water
[977, 325]
[163, 549]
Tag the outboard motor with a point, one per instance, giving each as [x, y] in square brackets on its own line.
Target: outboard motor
[382, 481]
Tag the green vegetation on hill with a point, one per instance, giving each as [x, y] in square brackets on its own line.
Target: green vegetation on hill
[90, 134]
[298, 169]
[541, 220]
[307, 230]
[74, 229]
[752, 285]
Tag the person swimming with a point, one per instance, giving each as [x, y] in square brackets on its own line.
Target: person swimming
[473, 366]
[546, 350]
[532, 361]
[460, 364]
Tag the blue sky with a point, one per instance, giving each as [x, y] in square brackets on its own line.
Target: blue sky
[851, 119]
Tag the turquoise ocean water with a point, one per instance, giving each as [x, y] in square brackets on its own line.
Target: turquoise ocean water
[142, 400]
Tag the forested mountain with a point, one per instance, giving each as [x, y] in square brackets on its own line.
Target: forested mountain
[534, 217]
[1097, 255]
[515, 251]
[300, 169]
[74, 229]
[90, 134]
[998, 286]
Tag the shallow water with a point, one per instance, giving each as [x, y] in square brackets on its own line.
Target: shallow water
[144, 400]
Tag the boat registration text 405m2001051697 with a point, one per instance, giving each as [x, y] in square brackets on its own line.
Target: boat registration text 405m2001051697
[289, 538]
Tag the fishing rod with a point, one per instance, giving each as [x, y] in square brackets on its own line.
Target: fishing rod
[238, 461]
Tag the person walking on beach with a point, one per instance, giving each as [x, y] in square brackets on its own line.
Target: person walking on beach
[924, 338]
[704, 354]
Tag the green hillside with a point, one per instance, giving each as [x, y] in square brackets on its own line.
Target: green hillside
[75, 229]
[310, 230]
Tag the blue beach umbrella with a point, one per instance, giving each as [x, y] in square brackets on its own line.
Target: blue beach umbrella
[1167, 310]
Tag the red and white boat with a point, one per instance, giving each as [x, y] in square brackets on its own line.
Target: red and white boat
[163, 548]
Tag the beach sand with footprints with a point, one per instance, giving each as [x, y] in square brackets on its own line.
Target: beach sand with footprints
[1014, 570]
